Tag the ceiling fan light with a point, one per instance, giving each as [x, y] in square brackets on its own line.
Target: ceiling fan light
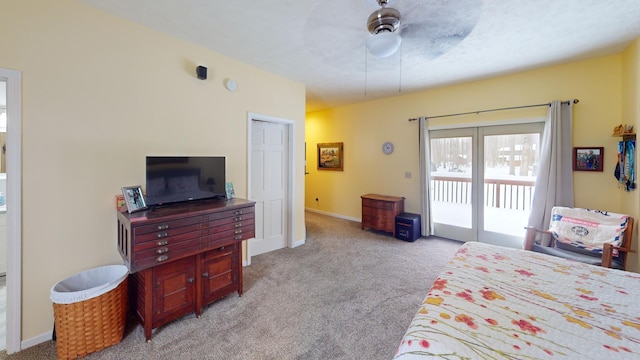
[384, 43]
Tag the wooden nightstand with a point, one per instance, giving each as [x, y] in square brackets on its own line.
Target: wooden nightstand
[379, 212]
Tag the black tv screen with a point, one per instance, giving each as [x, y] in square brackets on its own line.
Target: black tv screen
[172, 179]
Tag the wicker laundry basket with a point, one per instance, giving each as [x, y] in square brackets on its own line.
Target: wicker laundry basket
[99, 321]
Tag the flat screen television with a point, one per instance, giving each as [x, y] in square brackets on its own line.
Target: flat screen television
[172, 179]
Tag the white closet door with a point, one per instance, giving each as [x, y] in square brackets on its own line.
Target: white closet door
[269, 185]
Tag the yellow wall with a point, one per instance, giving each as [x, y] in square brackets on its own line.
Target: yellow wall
[363, 127]
[98, 94]
[631, 115]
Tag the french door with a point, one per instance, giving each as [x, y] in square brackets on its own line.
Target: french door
[482, 181]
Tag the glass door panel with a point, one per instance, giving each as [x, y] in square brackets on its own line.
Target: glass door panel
[510, 160]
[452, 157]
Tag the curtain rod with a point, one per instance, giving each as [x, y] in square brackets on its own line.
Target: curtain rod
[575, 101]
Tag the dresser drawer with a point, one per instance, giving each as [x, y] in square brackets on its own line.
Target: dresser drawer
[169, 240]
[223, 250]
[243, 233]
[368, 220]
[174, 232]
[232, 215]
[215, 227]
[168, 225]
[370, 211]
[168, 249]
[377, 204]
[157, 256]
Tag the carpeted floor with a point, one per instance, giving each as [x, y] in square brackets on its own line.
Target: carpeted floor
[345, 294]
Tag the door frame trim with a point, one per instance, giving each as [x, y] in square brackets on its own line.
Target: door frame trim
[291, 184]
[14, 208]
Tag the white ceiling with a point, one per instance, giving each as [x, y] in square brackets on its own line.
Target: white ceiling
[321, 43]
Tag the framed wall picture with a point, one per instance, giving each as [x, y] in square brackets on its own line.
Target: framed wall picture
[588, 158]
[331, 156]
[133, 198]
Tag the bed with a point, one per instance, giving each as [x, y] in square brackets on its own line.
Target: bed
[498, 303]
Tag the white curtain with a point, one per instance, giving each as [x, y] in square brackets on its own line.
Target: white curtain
[425, 178]
[554, 183]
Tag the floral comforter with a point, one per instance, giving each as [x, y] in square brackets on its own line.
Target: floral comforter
[498, 303]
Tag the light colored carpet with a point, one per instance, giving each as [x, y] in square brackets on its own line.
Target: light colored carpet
[345, 294]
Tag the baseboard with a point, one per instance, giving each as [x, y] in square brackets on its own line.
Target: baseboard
[25, 344]
[334, 215]
[298, 243]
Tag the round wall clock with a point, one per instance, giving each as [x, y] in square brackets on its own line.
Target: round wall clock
[387, 148]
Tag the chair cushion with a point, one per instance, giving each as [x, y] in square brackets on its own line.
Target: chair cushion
[585, 230]
[592, 259]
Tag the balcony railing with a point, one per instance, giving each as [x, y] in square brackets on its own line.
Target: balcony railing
[498, 193]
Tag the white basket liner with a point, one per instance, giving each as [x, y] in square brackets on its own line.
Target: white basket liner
[88, 284]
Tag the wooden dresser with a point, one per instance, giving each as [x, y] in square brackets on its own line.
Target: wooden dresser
[379, 212]
[183, 256]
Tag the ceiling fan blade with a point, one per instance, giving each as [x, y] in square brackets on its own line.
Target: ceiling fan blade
[348, 34]
[434, 27]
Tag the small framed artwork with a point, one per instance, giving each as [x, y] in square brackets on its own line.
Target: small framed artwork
[228, 188]
[120, 204]
[133, 198]
[588, 158]
[331, 156]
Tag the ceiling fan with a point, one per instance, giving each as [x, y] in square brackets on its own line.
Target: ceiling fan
[382, 24]
[437, 24]
[336, 32]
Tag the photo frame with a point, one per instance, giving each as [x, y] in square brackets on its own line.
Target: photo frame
[331, 156]
[588, 158]
[133, 198]
[228, 188]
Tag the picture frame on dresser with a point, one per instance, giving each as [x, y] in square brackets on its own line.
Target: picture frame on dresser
[133, 198]
[331, 156]
[230, 193]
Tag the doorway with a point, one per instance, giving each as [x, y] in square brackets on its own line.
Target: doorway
[483, 180]
[12, 80]
[271, 144]
[3, 216]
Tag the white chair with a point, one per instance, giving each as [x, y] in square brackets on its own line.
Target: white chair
[588, 236]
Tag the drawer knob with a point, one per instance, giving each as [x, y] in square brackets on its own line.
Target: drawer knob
[162, 250]
[162, 242]
[205, 275]
[162, 258]
[162, 234]
[238, 225]
[238, 218]
[163, 227]
[221, 248]
[239, 212]
[191, 280]
[239, 231]
[237, 237]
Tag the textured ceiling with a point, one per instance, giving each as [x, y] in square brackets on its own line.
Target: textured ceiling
[322, 43]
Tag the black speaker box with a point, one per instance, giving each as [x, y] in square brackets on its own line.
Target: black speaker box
[201, 71]
[408, 227]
